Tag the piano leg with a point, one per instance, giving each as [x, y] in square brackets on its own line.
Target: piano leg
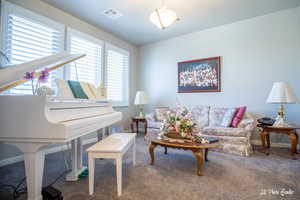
[34, 159]
[77, 167]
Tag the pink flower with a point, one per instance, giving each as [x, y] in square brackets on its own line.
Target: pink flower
[44, 75]
[29, 76]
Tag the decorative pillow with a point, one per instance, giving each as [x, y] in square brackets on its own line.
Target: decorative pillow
[200, 115]
[238, 116]
[161, 113]
[77, 90]
[216, 116]
[64, 90]
[228, 116]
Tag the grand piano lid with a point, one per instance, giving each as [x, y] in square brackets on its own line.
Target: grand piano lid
[12, 76]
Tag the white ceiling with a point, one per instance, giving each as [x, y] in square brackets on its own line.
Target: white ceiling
[135, 27]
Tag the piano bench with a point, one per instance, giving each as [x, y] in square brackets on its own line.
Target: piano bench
[112, 147]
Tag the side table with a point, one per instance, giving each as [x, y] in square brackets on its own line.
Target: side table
[136, 121]
[289, 131]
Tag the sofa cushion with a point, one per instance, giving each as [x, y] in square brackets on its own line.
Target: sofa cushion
[216, 115]
[248, 122]
[161, 113]
[221, 131]
[200, 115]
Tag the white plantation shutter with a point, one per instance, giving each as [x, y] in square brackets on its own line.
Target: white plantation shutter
[88, 67]
[28, 36]
[117, 66]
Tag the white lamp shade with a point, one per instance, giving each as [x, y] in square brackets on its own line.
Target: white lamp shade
[141, 98]
[163, 17]
[282, 93]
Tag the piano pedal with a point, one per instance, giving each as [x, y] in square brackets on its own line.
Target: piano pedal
[51, 193]
[84, 174]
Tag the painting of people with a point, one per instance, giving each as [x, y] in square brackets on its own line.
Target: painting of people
[201, 75]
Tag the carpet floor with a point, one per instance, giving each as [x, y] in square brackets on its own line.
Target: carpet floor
[173, 177]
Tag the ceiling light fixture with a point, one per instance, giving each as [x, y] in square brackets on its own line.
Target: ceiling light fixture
[163, 17]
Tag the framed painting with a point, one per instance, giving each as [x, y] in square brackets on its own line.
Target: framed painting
[201, 75]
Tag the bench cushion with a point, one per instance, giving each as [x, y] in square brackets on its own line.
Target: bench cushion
[114, 143]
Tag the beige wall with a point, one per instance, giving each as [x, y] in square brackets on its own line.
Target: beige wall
[75, 23]
[254, 52]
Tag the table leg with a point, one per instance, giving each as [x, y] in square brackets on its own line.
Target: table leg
[293, 140]
[145, 126]
[132, 127]
[297, 140]
[119, 175]
[263, 142]
[91, 173]
[137, 127]
[100, 135]
[166, 150]
[205, 155]
[268, 141]
[151, 151]
[199, 158]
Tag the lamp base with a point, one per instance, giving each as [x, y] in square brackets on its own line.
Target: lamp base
[280, 122]
[141, 113]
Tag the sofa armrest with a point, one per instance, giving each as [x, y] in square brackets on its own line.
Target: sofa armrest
[150, 117]
[248, 123]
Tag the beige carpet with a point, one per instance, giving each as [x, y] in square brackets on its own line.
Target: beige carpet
[173, 177]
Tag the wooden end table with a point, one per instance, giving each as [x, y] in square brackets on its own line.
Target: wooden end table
[136, 121]
[195, 147]
[289, 131]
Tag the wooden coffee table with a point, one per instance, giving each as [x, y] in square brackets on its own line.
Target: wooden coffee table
[195, 147]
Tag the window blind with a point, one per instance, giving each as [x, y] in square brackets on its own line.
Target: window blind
[88, 68]
[26, 39]
[117, 63]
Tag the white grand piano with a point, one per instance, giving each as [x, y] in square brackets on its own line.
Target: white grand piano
[33, 122]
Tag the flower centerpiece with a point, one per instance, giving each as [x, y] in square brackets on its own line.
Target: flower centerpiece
[180, 122]
[42, 77]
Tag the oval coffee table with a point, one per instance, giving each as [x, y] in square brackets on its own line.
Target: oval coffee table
[195, 147]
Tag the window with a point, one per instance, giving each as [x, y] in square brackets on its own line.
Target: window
[28, 36]
[117, 64]
[88, 68]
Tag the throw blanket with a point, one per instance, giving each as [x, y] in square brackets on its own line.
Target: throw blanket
[77, 90]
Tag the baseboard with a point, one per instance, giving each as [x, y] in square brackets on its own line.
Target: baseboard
[47, 151]
[55, 149]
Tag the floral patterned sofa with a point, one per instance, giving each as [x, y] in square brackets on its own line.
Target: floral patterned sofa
[208, 119]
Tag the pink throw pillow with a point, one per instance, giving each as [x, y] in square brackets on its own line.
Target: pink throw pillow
[238, 116]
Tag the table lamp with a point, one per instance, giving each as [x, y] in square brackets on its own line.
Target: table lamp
[281, 93]
[141, 99]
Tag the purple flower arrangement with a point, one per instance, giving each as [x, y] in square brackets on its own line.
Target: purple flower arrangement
[42, 78]
[44, 75]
